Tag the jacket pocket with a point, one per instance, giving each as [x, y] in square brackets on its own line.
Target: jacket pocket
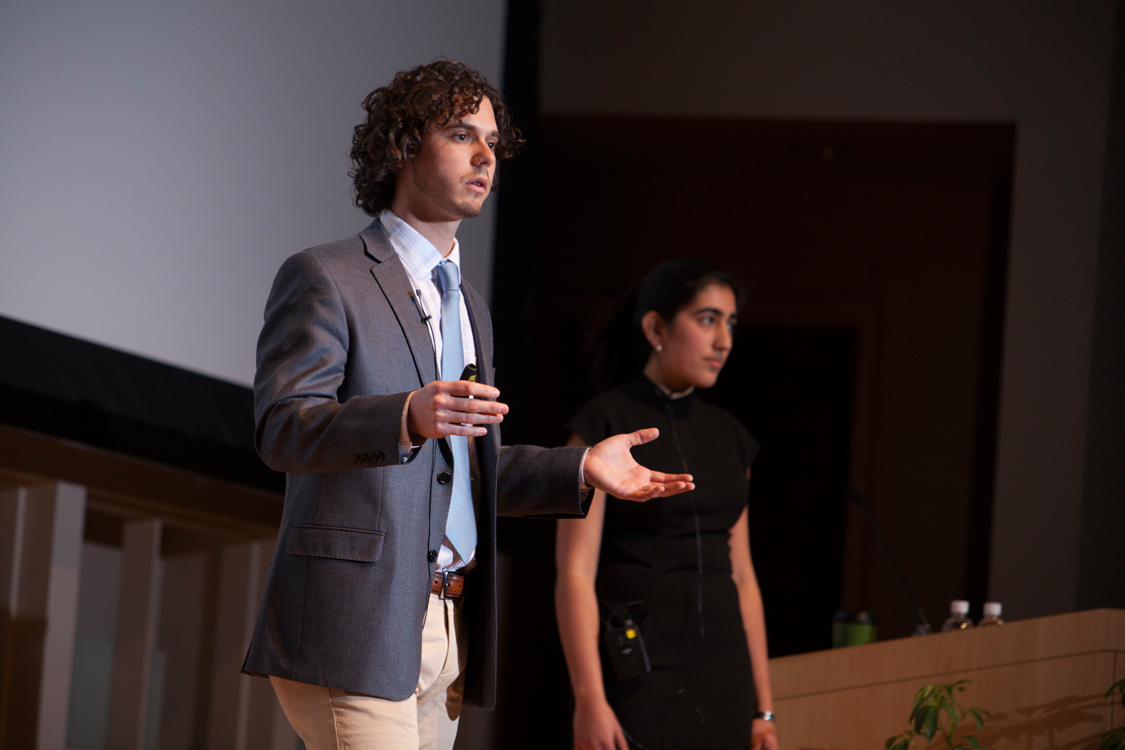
[336, 543]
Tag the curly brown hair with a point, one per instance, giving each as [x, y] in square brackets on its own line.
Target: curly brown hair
[398, 115]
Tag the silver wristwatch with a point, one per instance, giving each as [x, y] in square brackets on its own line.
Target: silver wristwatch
[766, 715]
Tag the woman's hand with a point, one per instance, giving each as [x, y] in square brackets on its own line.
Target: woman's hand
[596, 727]
[763, 736]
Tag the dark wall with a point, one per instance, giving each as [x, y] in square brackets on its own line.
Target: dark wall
[895, 231]
[516, 261]
[890, 236]
[1100, 582]
[1043, 66]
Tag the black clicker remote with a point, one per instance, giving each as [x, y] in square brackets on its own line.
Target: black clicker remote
[470, 374]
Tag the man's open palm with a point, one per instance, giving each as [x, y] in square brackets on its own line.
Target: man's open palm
[610, 467]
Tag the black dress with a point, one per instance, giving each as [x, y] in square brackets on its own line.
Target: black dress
[700, 692]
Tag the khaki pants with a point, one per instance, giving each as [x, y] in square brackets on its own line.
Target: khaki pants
[328, 719]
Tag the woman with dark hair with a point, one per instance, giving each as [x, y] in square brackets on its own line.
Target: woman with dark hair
[658, 605]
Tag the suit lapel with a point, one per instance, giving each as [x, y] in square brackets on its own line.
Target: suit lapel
[392, 279]
[487, 446]
[484, 363]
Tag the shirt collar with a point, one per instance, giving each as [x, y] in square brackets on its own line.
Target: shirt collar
[417, 254]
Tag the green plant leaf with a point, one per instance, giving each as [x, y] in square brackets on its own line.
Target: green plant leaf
[1114, 739]
[901, 742]
[930, 703]
[953, 711]
[1119, 686]
[921, 718]
[928, 693]
[930, 724]
[917, 717]
[978, 715]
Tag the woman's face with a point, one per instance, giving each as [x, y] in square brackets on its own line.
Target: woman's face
[694, 347]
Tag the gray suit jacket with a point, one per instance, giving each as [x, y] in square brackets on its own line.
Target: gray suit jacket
[341, 348]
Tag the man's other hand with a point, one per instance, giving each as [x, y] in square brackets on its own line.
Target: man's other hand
[444, 408]
[610, 467]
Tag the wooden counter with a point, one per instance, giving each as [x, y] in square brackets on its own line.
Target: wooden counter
[1042, 679]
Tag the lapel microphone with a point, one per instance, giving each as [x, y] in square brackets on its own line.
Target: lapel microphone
[415, 297]
[418, 305]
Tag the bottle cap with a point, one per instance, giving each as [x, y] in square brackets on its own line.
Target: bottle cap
[959, 606]
[992, 609]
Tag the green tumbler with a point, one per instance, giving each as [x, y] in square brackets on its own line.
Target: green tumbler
[849, 630]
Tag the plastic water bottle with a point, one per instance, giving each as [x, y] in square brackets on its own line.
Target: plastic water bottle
[958, 616]
[991, 615]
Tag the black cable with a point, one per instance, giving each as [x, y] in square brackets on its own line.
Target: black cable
[688, 662]
[695, 517]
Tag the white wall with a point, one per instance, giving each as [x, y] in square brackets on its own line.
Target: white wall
[159, 160]
[1044, 65]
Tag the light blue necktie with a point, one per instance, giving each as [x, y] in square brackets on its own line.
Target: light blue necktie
[461, 526]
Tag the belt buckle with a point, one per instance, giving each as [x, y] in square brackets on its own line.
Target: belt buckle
[444, 585]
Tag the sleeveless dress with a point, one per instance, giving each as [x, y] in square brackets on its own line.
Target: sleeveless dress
[700, 692]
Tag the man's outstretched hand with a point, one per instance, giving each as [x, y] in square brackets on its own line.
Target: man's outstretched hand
[610, 467]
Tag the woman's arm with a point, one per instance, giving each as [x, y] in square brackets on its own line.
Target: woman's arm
[576, 605]
[754, 623]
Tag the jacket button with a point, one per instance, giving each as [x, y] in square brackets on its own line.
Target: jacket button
[444, 478]
[357, 459]
[378, 457]
[432, 556]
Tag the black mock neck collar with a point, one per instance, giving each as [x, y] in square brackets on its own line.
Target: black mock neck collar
[653, 395]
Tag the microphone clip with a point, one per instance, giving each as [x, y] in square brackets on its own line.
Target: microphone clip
[414, 297]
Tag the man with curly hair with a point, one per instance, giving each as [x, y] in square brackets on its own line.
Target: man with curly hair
[379, 613]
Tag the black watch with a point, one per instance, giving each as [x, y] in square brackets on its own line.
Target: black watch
[766, 715]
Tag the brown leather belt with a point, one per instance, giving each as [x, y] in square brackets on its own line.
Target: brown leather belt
[448, 585]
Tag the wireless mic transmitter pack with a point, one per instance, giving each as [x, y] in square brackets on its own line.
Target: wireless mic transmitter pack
[624, 645]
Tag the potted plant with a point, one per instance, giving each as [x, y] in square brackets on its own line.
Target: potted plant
[1114, 739]
[937, 712]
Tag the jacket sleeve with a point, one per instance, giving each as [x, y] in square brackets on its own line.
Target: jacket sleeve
[537, 482]
[301, 426]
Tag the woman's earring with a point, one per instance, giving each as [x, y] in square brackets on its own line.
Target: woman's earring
[659, 347]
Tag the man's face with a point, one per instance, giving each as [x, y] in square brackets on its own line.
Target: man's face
[450, 177]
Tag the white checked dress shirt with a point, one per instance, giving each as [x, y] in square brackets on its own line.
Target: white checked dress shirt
[420, 258]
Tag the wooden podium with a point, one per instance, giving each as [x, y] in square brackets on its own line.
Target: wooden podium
[1043, 680]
